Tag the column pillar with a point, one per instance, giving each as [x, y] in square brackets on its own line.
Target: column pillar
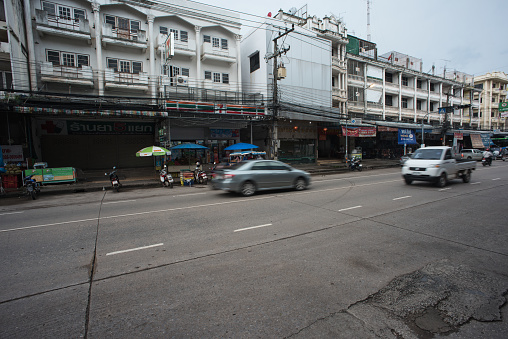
[98, 46]
[30, 46]
[238, 38]
[152, 78]
[199, 42]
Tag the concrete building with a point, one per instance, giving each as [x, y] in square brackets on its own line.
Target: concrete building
[109, 77]
[493, 93]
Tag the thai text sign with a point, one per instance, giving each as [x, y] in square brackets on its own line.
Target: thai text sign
[406, 136]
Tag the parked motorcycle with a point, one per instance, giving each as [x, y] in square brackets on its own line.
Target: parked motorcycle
[166, 178]
[113, 177]
[487, 161]
[200, 176]
[32, 187]
[355, 164]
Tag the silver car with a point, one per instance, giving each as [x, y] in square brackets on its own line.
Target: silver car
[470, 154]
[248, 177]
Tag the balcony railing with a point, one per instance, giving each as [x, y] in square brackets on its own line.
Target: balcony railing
[217, 54]
[65, 74]
[73, 24]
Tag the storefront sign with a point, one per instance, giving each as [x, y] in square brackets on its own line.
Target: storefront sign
[387, 129]
[76, 127]
[224, 133]
[361, 132]
[458, 136]
[12, 153]
[486, 140]
[350, 132]
[406, 137]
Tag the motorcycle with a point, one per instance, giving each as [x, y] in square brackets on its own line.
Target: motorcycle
[355, 164]
[166, 178]
[32, 187]
[200, 176]
[113, 177]
[487, 161]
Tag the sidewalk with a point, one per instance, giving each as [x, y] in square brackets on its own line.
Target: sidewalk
[89, 181]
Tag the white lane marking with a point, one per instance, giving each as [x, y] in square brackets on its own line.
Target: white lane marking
[476, 183]
[186, 195]
[407, 196]
[191, 207]
[444, 189]
[349, 208]
[116, 202]
[134, 249]
[496, 179]
[250, 228]
[140, 213]
[10, 213]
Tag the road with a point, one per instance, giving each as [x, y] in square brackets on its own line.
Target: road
[356, 255]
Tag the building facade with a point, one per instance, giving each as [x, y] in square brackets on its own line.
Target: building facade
[493, 88]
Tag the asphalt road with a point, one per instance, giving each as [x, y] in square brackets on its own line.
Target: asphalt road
[356, 255]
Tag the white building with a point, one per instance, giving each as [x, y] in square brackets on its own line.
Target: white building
[493, 88]
[100, 76]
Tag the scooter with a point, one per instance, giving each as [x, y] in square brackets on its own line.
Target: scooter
[487, 161]
[166, 178]
[200, 177]
[32, 187]
[113, 177]
[355, 164]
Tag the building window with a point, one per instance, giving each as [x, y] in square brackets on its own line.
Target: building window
[432, 87]
[126, 66]
[431, 107]
[224, 43]
[405, 81]
[404, 102]
[184, 36]
[163, 30]
[59, 58]
[208, 75]
[64, 12]
[254, 62]
[185, 71]
[225, 78]
[419, 105]
[418, 84]
[215, 42]
[216, 77]
[388, 77]
[207, 38]
[388, 100]
[122, 24]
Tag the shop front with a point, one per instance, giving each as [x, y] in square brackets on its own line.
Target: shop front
[298, 142]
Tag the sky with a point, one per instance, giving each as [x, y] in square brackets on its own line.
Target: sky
[468, 36]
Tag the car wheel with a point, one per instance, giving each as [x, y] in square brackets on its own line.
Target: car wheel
[466, 177]
[469, 158]
[408, 181]
[248, 189]
[441, 182]
[300, 184]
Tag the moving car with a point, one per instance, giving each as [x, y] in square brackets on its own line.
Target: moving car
[470, 154]
[436, 164]
[248, 177]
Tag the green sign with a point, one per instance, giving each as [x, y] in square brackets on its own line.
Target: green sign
[503, 106]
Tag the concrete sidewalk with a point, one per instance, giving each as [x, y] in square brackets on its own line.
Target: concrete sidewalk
[147, 177]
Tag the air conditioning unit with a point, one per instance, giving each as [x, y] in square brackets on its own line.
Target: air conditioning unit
[182, 80]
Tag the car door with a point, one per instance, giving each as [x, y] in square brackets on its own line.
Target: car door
[281, 175]
[260, 173]
[449, 162]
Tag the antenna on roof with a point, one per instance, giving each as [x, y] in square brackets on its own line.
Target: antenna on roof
[368, 20]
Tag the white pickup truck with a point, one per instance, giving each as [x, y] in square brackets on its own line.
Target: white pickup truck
[436, 164]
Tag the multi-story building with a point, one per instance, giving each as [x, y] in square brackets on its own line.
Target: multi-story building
[109, 77]
[493, 88]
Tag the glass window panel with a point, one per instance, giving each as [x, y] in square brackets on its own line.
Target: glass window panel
[125, 66]
[207, 38]
[111, 20]
[184, 36]
[185, 71]
[216, 77]
[175, 33]
[79, 13]
[54, 57]
[163, 30]
[224, 43]
[208, 75]
[68, 59]
[49, 7]
[123, 24]
[113, 64]
[215, 42]
[135, 26]
[83, 60]
[137, 67]
[64, 12]
[225, 78]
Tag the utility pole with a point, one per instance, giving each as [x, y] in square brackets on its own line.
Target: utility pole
[276, 53]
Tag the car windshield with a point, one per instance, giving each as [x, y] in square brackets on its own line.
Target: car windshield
[238, 165]
[427, 154]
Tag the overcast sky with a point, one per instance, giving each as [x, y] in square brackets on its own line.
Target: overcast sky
[464, 35]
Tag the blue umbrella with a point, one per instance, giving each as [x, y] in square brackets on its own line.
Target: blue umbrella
[189, 146]
[240, 146]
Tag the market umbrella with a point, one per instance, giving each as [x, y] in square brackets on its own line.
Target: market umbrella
[152, 150]
[240, 146]
[189, 146]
